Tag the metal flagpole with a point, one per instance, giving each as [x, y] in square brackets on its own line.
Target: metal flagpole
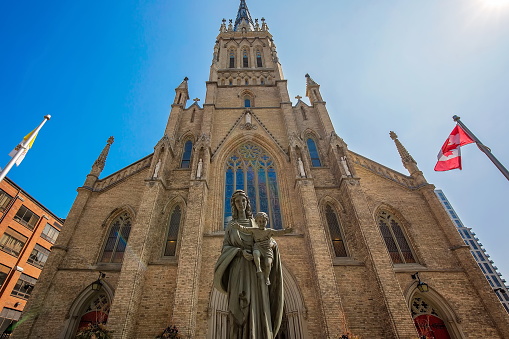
[23, 146]
[486, 150]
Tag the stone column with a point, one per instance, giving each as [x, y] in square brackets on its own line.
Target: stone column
[124, 309]
[332, 310]
[399, 315]
[189, 265]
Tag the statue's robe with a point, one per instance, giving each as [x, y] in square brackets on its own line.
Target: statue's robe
[236, 276]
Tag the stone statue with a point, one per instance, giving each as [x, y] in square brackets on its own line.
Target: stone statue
[345, 166]
[157, 168]
[263, 242]
[199, 170]
[255, 308]
[301, 168]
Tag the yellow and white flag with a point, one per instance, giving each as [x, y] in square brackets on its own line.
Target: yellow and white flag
[23, 150]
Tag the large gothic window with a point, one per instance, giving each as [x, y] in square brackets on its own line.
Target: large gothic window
[173, 231]
[245, 59]
[259, 59]
[232, 58]
[313, 153]
[250, 168]
[395, 240]
[186, 155]
[117, 239]
[335, 232]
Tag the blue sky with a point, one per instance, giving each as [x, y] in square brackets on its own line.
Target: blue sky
[104, 68]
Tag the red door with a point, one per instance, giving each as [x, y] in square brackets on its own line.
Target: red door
[93, 317]
[432, 327]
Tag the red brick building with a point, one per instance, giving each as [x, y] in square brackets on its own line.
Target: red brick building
[27, 232]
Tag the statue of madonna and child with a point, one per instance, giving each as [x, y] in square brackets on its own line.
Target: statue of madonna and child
[249, 273]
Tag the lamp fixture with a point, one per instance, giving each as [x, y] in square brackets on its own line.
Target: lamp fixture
[421, 286]
[96, 285]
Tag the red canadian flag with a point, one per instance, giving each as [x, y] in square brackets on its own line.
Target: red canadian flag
[449, 156]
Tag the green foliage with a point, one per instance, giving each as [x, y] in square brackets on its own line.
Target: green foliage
[94, 331]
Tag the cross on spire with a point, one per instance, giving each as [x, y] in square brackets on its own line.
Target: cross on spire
[298, 97]
[196, 100]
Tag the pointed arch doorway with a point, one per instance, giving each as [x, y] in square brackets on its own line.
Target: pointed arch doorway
[294, 325]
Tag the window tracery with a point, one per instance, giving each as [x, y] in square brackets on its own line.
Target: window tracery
[118, 236]
[395, 239]
[335, 232]
[251, 168]
[173, 231]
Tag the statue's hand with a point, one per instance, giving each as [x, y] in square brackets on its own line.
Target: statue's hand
[247, 255]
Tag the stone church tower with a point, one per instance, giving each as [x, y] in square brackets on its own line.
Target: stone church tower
[362, 230]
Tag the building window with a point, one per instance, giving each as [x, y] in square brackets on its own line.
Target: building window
[313, 153]
[39, 256]
[186, 156]
[12, 242]
[247, 102]
[232, 59]
[5, 199]
[173, 231]
[117, 239]
[8, 318]
[50, 233]
[24, 286]
[335, 232]
[395, 240]
[4, 271]
[26, 217]
[258, 59]
[251, 168]
[245, 60]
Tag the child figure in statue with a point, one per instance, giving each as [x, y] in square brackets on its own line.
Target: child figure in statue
[263, 242]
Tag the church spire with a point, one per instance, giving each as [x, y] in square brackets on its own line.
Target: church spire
[98, 165]
[243, 15]
[408, 161]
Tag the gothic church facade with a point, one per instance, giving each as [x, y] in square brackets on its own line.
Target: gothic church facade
[155, 228]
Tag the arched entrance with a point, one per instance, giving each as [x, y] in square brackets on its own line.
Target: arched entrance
[88, 308]
[433, 317]
[294, 323]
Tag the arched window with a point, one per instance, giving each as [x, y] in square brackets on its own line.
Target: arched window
[117, 239]
[313, 153]
[259, 59]
[247, 102]
[395, 240]
[335, 232]
[250, 168]
[173, 232]
[245, 59]
[232, 58]
[186, 155]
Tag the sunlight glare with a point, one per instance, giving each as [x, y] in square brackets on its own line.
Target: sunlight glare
[496, 3]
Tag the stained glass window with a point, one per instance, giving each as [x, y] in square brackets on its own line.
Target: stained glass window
[258, 59]
[186, 156]
[247, 102]
[395, 240]
[250, 168]
[313, 153]
[245, 62]
[171, 240]
[335, 232]
[232, 59]
[117, 239]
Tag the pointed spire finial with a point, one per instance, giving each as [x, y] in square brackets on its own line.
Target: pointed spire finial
[98, 165]
[405, 156]
[243, 15]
